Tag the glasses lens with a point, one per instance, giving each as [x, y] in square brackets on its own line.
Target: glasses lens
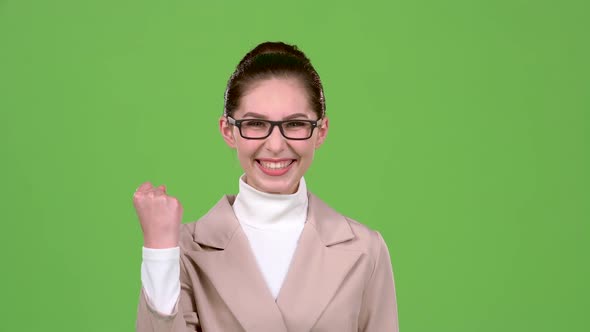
[297, 129]
[255, 128]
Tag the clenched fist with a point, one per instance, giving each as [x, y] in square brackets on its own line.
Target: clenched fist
[160, 216]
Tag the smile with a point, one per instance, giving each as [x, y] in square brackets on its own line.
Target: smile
[275, 165]
[275, 168]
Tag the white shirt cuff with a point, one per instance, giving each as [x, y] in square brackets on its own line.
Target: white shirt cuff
[160, 277]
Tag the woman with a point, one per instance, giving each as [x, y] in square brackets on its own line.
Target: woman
[274, 257]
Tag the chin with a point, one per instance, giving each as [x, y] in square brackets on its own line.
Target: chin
[279, 185]
[265, 181]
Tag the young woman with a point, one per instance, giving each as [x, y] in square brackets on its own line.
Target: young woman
[274, 257]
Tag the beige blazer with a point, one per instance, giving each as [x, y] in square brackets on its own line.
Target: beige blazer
[340, 279]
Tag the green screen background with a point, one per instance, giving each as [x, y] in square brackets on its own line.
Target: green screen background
[459, 130]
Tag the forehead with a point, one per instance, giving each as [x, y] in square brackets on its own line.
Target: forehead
[275, 98]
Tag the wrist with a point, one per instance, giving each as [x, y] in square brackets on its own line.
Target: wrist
[160, 243]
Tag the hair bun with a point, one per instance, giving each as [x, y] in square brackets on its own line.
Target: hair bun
[272, 59]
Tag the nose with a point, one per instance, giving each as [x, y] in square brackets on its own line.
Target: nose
[275, 142]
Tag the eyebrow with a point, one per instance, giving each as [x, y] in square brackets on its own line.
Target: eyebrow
[260, 116]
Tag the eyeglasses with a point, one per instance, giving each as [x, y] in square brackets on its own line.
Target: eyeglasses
[261, 129]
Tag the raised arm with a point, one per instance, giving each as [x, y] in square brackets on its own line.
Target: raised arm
[166, 302]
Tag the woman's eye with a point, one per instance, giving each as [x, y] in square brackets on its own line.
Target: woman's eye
[296, 124]
[255, 124]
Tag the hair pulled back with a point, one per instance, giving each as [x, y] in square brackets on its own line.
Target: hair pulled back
[269, 60]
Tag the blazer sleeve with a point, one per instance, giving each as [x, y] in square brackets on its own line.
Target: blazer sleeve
[183, 317]
[379, 307]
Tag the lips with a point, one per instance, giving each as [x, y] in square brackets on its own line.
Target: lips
[275, 167]
[275, 164]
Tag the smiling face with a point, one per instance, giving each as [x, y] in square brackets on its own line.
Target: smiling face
[274, 164]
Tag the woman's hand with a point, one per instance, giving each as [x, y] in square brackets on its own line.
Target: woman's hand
[160, 216]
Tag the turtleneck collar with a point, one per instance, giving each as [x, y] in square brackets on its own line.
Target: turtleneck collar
[270, 211]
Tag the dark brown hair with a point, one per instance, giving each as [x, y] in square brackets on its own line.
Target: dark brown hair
[274, 59]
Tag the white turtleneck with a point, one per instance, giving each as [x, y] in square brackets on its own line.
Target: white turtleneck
[272, 224]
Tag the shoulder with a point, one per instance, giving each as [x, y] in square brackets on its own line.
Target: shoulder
[362, 231]
[213, 230]
[341, 231]
[366, 239]
[187, 230]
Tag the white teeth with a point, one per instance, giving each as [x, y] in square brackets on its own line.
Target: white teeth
[271, 165]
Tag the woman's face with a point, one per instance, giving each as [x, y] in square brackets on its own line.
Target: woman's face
[274, 164]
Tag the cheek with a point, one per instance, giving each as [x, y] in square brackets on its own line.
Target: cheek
[247, 149]
[304, 149]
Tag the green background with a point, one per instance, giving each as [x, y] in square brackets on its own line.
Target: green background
[459, 130]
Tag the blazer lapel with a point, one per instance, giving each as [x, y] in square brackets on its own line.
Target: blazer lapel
[318, 267]
[232, 269]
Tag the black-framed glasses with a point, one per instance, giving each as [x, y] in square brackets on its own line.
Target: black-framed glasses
[261, 129]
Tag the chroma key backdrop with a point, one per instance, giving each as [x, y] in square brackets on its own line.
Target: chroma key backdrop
[458, 129]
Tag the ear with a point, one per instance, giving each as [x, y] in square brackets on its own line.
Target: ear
[322, 132]
[227, 132]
